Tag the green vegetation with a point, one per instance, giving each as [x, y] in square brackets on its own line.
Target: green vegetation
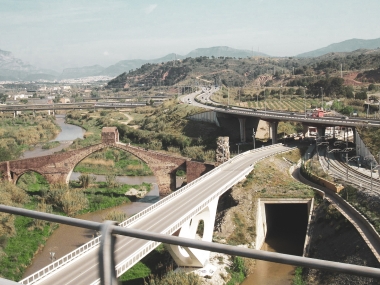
[161, 128]
[113, 161]
[371, 138]
[20, 237]
[148, 266]
[238, 271]
[19, 250]
[367, 206]
[297, 279]
[22, 132]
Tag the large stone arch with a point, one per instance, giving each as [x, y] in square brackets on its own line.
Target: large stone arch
[138, 152]
[57, 168]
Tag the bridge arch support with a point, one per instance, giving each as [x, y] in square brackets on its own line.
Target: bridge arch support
[192, 257]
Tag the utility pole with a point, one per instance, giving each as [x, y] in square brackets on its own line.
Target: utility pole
[228, 96]
[322, 99]
[304, 95]
[265, 101]
[254, 139]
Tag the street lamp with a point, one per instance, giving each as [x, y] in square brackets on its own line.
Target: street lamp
[254, 138]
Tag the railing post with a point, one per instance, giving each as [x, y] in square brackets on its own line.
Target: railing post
[106, 254]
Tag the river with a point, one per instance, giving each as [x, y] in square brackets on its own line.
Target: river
[65, 137]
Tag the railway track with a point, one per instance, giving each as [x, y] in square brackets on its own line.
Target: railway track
[338, 170]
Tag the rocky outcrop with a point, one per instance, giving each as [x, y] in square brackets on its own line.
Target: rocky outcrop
[223, 149]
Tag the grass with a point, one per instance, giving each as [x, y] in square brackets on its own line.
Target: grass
[20, 249]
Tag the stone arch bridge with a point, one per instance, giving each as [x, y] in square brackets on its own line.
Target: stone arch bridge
[57, 168]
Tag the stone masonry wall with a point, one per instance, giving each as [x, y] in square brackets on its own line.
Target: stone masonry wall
[196, 169]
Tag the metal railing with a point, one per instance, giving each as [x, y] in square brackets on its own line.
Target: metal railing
[108, 273]
[123, 266]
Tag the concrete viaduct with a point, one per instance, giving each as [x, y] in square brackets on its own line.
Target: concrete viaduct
[57, 168]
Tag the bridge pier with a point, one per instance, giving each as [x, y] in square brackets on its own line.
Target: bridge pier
[242, 129]
[321, 131]
[273, 131]
[193, 257]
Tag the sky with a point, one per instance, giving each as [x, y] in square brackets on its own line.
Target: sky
[73, 33]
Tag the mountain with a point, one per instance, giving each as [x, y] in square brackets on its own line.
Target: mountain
[14, 69]
[345, 46]
[79, 72]
[126, 65]
[223, 51]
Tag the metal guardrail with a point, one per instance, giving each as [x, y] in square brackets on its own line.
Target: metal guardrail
[108, 273]
[95, 242]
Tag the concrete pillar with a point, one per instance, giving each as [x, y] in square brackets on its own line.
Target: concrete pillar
[192, 257]
[49, 112]
[242, 129]
[305, 130]
[321, 131]
[14, 114]
[273, 130]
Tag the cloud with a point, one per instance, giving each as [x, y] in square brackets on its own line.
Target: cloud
[150, 8]
[105, 53]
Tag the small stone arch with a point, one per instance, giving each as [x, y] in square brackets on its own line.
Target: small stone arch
[16, 177]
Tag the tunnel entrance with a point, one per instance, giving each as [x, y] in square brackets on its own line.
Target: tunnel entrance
[286, 227]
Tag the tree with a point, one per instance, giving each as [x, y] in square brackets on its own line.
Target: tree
[362, 95]
[86, 180]
[349, 92]
[373, 87]
[347, 110]
[3, 98]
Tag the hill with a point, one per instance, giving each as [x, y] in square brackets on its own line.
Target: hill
[345, 46]
[255, 71]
